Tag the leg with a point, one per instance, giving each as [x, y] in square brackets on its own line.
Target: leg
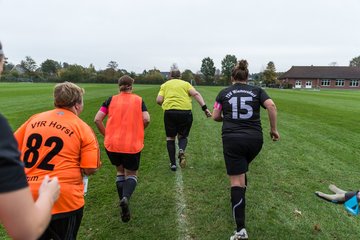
[120, 180]
[182, 146]
[170, 144]
[335, 189]
[238, 199]
[335, 198]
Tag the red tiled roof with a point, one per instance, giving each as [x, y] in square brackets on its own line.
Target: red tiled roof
[322, 72]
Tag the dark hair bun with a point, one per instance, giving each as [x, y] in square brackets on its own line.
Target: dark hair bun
[243, 64]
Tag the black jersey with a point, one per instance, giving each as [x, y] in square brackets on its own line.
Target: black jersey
[12, 174]
[240, 105]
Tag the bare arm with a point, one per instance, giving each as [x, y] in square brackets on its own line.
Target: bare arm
[195, 94]
[160, 99]
[216, 115]
[146, 118]
[22, 217]
[272, 112]
[99, 118]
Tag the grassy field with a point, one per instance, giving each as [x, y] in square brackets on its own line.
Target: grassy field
[320, 134]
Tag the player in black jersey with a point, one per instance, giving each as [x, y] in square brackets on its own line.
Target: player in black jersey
[238, 107]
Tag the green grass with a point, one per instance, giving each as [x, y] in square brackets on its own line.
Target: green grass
[319, 145]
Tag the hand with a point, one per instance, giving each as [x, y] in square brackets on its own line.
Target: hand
[50, 187]
[275, 136]
[207, 113]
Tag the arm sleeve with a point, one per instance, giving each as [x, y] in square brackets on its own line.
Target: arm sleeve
[263, 97]
[161, 92]
[143, 106]
[12, 175]
[90, 151]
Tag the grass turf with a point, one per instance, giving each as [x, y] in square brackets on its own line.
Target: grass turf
[319, 137]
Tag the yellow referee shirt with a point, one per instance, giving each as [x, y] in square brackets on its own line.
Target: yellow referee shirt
[176, 95]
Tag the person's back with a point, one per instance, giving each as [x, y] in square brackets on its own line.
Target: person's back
[58, 143]
[125, 127]
[51, 144]
[176, 95]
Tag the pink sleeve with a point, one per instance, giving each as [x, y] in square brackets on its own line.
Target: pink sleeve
[104, 110]
[217, 106]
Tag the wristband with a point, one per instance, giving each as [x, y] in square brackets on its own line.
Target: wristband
[204, 107]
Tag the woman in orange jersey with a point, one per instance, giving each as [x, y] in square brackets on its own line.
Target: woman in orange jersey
[124, 137]
[22, 217]
[58, 143]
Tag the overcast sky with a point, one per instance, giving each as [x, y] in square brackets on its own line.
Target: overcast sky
[143, 34]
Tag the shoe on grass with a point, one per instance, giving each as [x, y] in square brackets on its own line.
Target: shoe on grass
[172, 167]
[125, 211]
[242, 234]
[182, 159]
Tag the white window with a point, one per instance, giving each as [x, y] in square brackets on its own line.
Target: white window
[298, 84]
[339, 82]
[308, 84]
[325, 82]
[354, 83]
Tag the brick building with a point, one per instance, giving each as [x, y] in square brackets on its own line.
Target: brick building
[322, 77]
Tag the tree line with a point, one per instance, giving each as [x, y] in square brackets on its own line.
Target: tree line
[54, 71]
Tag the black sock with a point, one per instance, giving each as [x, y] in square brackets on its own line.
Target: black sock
[238, 206]
[171, 150]
[120, 180]
[182, 143]
[129, 186]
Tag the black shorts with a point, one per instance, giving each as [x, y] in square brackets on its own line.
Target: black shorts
[63, 226]
[129, 161]
[239, 152]
[178, 122]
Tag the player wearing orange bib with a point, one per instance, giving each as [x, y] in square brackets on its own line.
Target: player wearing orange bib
[58, 143]
[124, 138]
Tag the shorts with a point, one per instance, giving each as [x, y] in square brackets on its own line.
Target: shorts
[128, 160]
[239, 152]
[178, 122]
[63, 226]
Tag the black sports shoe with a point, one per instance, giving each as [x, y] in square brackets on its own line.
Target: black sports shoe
[125, 211]
[173, 167]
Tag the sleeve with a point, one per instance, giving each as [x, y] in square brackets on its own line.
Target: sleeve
[143, 106]
[105, 106]
[263, 97]
[189, 86]
[90, 151]
[218, 102]
[12, 174]
[161, 92]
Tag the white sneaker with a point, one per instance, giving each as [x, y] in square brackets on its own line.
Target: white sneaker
[242, 234]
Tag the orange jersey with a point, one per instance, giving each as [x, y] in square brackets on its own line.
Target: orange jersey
[58, 143]
[124, 132]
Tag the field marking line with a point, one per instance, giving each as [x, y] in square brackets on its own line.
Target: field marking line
[181, 208]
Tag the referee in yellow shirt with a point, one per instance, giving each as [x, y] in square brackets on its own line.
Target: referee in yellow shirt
[175, 98]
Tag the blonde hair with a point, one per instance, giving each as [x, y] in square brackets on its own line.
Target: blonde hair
[240, 71]
[125, 83]
[67, 94]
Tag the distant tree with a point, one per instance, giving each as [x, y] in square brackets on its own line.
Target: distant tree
[333, 64]
[153, 76]
[355, 62]
[29, 64]
[65, 65]
[269, 75]
[208, 70]
[73, 73]
[113, 65]
[227, 65]
[174, 66]
[50, 67]
[187, 75]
